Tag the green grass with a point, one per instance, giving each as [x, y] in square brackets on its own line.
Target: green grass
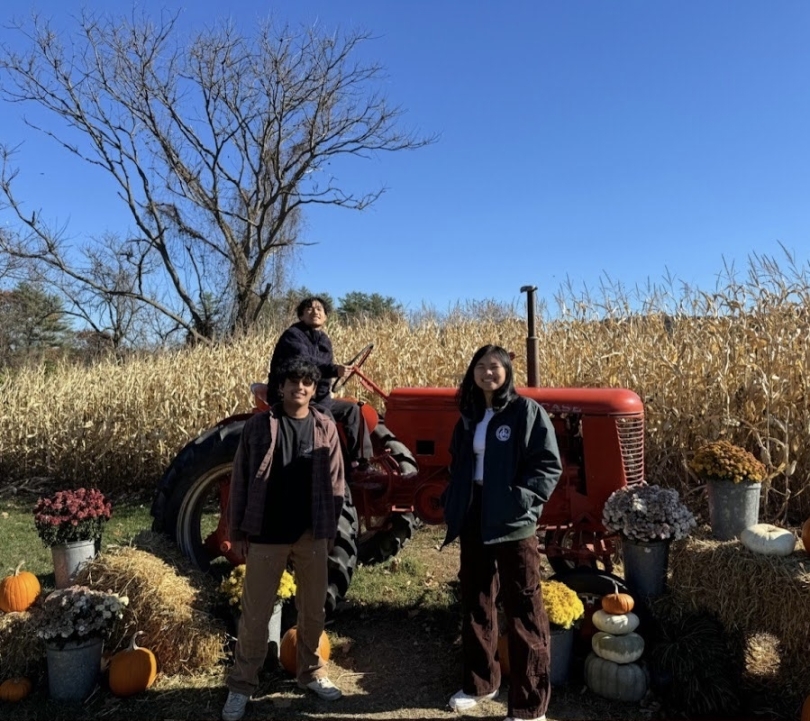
[407, 581]
[21, 542]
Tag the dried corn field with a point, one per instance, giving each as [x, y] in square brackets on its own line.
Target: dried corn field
[732, 364]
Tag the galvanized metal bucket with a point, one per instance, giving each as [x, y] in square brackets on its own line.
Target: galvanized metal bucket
[645, 567]
[733, 507]
[68, 560]
[73, 670]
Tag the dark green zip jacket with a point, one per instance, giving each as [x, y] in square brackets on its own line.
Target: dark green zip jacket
[521, 468]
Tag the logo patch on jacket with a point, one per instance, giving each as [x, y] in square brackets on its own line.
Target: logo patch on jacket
[503, 433]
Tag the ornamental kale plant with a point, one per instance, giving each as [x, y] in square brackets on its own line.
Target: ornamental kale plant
[647, 513]
[69, 516]
[78, 613]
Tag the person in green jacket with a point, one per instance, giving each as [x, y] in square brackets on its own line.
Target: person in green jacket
[505, 464]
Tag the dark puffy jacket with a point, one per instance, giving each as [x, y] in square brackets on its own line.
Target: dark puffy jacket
[521, 469]
[299, 340]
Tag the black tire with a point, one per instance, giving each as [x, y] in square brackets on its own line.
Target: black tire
[399, 528]
[343, 558]
[195, 477]
[388, 541]
[591, 585]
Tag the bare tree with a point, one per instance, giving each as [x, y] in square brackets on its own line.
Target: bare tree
[216, 146]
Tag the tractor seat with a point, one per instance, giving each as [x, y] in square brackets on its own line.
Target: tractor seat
[259, 391]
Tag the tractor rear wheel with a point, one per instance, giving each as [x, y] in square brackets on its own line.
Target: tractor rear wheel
[192, 499]
[381, 545]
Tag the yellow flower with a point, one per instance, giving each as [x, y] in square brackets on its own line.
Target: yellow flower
[231, 586]
[723, 461]
[562, 604]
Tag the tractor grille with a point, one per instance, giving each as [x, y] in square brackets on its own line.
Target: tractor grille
[631, 441]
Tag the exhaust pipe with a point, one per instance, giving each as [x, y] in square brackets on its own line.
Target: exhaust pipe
[532, 348]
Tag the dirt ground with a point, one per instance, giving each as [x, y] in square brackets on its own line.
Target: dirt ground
[405, 664]
[391, 663]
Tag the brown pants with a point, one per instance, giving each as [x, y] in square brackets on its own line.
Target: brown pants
[513, 568]
[264, 565]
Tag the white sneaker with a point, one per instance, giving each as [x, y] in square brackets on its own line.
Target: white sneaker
[234, 707]
[324, 688]
[461, 701]
[539, 718]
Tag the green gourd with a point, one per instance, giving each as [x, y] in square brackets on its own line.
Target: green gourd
[619, 649]
[618, 682]
[617, 624]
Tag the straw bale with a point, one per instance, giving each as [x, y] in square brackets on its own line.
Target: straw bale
[751, 594]
[21, 652]
[170, 607]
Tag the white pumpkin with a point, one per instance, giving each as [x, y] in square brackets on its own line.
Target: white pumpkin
[768, 540]
[619, 682]
[617, 624]
[619, 649]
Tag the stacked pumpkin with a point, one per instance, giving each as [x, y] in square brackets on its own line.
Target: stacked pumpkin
[611, 671]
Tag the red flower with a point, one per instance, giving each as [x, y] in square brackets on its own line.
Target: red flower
[71, 516]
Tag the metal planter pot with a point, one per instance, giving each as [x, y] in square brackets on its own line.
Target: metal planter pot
[645, 567]
[73, 670]
[733, 507]
[69, 558]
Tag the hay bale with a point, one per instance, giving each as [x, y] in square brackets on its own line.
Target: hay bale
[172, 608]
[22, 653]
[751, 594]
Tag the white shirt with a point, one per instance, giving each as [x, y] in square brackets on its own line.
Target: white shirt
[480, 444]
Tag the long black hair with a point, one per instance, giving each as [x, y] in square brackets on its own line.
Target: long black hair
[470, 397]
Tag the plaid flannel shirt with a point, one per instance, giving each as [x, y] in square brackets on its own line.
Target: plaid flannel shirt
[251, 473]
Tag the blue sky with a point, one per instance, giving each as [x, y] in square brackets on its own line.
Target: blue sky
[578, 140]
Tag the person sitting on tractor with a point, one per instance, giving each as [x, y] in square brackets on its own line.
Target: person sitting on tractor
[307, 339]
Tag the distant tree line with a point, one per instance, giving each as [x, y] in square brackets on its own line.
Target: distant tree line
[39, 326]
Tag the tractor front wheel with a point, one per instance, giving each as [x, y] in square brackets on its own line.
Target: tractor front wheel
[380, 545]
[192, 499]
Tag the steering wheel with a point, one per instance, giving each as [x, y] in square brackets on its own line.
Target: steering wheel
[355, 363]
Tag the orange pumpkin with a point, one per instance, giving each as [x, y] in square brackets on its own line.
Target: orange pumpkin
[806, 538]
[132, 670]
[18, 591]
[15, 689]
[617, 602]
[288, 650]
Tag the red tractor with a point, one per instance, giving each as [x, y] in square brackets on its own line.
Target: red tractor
[600, 433]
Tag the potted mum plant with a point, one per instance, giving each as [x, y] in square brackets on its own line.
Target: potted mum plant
[231, 588]
[564, 609]
[647, 518]
[70, 523]
[74, 622]
[733, 479]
